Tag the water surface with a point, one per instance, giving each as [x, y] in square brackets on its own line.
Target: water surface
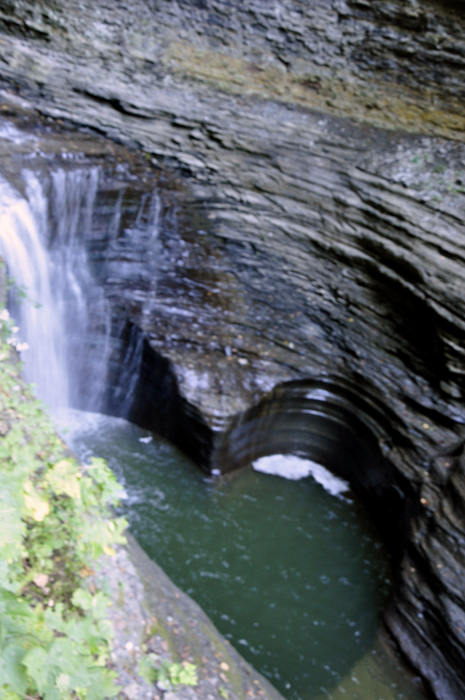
[293, 576]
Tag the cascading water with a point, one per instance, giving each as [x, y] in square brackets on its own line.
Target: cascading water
[64, 316]
[122, 394]
[29, 265]
[254, 552]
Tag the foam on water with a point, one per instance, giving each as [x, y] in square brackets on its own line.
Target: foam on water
[293, 467]
[71, 422]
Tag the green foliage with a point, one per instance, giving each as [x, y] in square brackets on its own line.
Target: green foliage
[169, 674]
[182, 674]
[55, 521]
[45, 653]
[147, 668]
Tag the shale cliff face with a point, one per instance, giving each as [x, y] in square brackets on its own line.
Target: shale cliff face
[400, 63]
[320, 226]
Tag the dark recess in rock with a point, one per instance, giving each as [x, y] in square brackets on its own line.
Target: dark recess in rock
[142, 388]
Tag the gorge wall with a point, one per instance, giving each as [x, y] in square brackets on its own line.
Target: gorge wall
[318, 226]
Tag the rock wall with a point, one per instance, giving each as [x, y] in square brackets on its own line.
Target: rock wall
[399, 64]
[313, 238]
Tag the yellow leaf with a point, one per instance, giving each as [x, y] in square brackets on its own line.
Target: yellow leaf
[36, 506]
[109, 550]
[63, 479]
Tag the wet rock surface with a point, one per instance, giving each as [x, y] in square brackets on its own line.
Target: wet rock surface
[151, 616]
[293, 243]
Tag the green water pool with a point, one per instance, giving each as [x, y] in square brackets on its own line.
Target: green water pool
[293, 576]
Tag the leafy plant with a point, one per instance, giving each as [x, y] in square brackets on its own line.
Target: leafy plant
[56, 520]
[168, 673]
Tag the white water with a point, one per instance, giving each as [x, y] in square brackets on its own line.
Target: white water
[29, 265]
[9, 132]
[292, 467]
[64, 317]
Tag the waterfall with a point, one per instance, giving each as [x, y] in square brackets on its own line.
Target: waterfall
[29, 266]
[121, 396]
[64, 316]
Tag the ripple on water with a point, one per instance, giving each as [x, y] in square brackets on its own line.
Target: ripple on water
[291, 574]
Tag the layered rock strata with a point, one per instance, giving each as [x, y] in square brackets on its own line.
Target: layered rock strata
[399, 63]
[300, 244]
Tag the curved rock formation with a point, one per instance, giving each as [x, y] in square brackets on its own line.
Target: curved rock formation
[318, 229]
[337, 424]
